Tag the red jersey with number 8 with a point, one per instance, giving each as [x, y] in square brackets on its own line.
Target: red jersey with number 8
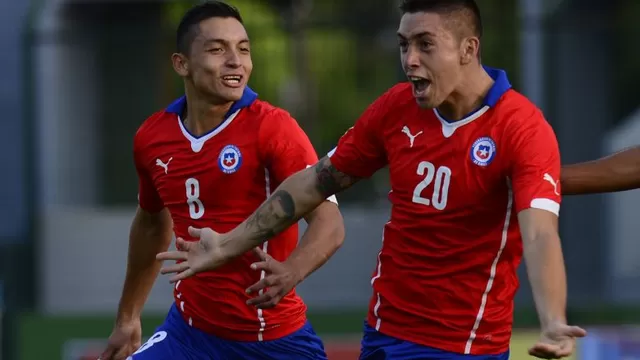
[446, 273]
[217, 180]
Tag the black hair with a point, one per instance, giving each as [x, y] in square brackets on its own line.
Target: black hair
[188, 29]
[467, 8]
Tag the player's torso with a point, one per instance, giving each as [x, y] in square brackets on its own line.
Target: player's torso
[453, 178]
[451, 219]
[217, 181]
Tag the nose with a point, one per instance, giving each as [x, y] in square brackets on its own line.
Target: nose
[233, 59]
[411, 58]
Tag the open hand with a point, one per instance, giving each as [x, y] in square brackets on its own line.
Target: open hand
[280, 278]
[195, 256]
[557, 341]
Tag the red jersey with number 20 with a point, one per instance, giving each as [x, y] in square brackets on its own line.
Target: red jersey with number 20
[217, 180]
[446, 273]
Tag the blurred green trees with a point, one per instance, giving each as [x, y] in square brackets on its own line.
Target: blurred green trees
[326, 60]
[350, 55]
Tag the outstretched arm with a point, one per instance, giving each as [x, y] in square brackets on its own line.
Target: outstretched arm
[617, 172]
[294, 198]
[545, 267]
[360, 152]
[545, 264]
[535, 168]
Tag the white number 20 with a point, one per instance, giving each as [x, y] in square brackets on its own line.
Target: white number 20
[196, 208]
[440, 186]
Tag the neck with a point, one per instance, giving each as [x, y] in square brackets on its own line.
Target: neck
[468, 96]
[203, 115]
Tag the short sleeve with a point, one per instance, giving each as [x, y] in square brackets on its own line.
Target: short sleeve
[360, 151]
[148, 197]
[285, 147]
[535, 165]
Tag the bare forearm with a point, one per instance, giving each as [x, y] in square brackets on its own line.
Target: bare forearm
[545, 267]
[146, 239]
[618, 172]
[323, 237]
[293, 199]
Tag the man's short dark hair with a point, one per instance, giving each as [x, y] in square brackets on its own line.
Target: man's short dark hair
[188, 29]
[467, 9]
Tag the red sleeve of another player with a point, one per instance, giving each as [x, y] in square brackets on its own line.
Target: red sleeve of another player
[360, 151]
[284, 146]
[535, 165]
[148, 198]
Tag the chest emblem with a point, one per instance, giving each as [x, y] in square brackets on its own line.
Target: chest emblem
[483, 151]
[230, 159]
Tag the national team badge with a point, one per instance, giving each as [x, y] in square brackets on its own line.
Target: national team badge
[230, 159]
[483, 151]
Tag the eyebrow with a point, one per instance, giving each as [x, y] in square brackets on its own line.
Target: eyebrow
[416, 35]
[223, 41]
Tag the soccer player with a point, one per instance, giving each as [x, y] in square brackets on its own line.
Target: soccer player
[617, 172]
[473, 169]
[210, 159]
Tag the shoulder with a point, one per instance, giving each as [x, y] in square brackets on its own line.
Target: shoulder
[270, 116]
[267, 111]
[518, 115]
[517, 109]
[523, 127]
[389, 105]
[398, 96]
[150, 128]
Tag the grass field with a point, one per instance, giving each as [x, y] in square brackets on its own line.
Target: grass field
[340, 332]
[347, 347]
[349, 350]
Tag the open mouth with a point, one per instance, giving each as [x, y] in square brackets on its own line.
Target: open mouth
[232, 80]
[420, 85]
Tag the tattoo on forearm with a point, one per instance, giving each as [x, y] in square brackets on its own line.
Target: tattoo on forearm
[279, 211]
[275, 215]
[331, 181]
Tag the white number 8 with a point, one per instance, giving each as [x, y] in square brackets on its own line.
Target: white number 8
[440, 187]
[196, 208]
[156, 338]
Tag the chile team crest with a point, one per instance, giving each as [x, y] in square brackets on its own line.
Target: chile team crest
[483, 151]
[230, 159]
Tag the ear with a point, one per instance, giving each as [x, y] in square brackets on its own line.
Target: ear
[180, 64]
[469, 50]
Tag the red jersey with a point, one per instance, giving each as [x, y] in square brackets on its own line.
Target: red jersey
[446, 273]
[217, 180]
